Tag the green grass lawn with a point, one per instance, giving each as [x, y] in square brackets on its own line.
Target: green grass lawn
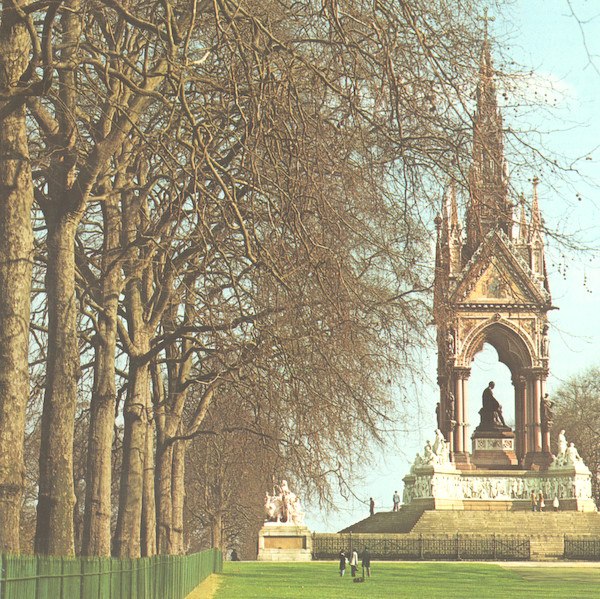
[321, 580]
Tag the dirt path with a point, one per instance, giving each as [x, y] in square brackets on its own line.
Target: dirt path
[207, 589]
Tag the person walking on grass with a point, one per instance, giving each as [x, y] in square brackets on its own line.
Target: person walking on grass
[343, 560]
[366, 562]
[354, 563]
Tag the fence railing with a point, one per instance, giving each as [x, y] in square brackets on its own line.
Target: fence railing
[402, 547]
[158, 577]
[582, 548]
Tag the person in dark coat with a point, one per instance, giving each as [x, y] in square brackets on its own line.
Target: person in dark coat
[343, 561]
[366, 562]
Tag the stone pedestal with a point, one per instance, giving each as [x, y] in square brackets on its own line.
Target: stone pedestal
[446, 488]
[494, 449]
[281, 542]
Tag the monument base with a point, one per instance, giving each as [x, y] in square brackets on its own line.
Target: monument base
[494, 449]
[281, 542]
[442, 487]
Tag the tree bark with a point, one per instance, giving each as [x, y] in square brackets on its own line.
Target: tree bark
[216, 531]
[54, 531]
[164, 464]
[178, 496]
[135, 414]
[16, 263]
[96, 528]
[169, 413]
[148, 542]
[137, 405]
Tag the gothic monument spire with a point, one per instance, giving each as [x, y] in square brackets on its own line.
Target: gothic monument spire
[491, 287]
[489, 207]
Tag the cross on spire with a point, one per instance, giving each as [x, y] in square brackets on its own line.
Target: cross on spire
[486, 20]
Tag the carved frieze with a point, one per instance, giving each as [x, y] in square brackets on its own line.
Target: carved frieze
[434, 484]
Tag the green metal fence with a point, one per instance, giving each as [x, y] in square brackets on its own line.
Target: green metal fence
[158, 577]
[432, 547]
[582, 548]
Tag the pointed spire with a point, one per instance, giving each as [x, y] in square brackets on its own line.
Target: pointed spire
[536, 239]
[454, 235]
[454, 226]
[438, 220]
[445, 218]
[488, 207]
[523, 229]
[536, 219]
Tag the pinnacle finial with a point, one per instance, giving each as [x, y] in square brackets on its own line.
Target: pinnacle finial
[486, 20]
[536, 220]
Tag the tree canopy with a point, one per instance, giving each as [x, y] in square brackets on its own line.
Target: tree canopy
[231, 208]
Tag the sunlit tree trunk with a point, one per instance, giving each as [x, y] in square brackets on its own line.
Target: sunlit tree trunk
[178, 496]
[96, 530]
[148, 540]
[16, 255]
[135, 414]
[56, 499]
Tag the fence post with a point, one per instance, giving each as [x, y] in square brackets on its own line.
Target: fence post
[494, 545]
[458, 546]
[421, 546]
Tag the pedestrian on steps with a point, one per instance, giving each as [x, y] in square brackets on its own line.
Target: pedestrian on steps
[533, 502]
[396, 500]
[541, 504]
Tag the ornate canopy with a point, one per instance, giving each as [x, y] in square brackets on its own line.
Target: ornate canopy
[491, 287]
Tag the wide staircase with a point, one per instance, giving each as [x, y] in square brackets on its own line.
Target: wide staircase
[514, 523]
[546, 530]
[400, 522]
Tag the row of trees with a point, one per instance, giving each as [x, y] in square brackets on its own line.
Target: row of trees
[211, 229]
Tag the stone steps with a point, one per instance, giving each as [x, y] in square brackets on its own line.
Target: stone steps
[400, 522]
[546, 547]
[546, 530]
[511, 523]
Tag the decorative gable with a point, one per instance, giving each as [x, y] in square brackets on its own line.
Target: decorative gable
[497, 275]
[498, 284]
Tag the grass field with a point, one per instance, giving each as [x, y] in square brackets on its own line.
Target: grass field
[433, 580]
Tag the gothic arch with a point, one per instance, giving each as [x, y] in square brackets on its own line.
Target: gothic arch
[515, 348]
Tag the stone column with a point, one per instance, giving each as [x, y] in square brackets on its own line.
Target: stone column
[520, 385]
[538, 453]
[458, 406]
[537, 420]
[461, 432]
[465, 428]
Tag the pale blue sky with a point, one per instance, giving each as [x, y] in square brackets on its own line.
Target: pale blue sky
[544, 37]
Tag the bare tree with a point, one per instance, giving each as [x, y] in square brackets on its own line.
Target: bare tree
[233, 195]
